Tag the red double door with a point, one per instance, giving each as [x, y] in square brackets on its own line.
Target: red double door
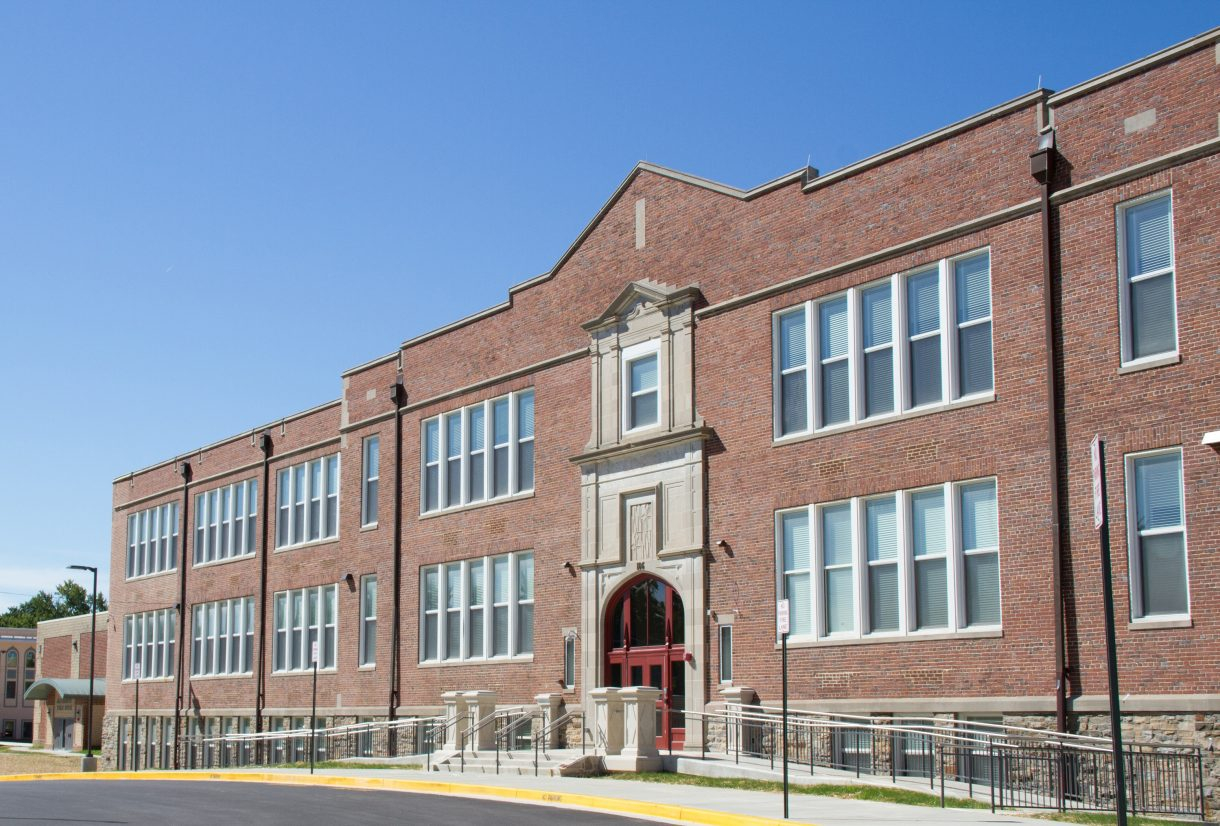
[646, 648]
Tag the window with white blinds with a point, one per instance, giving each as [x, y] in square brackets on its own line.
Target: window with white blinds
[226, 522]
[152, 541]
[1149, 326]
[148, 644]
[303, 617]
[901, 563]
[641, 386]
[912, 341]
[222, 637]
[307, 503]
[1156, 522]
[477, 608]
[481, 452]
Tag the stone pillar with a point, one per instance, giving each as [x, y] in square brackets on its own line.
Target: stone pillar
[736, 735]
[548, 705]
[607, 720]
[454, 708]
[640, 721]
[479, 704]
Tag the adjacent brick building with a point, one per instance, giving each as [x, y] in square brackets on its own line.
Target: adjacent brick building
[852, 389]
[60, 695]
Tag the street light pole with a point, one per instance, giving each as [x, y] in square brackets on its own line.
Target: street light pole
[92, 649]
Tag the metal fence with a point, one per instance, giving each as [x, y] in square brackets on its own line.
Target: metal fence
[1012, 767]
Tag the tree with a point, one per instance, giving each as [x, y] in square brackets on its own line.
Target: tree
[70, 600]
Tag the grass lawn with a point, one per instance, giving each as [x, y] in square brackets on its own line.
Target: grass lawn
[31, 762]
[354, 764]
[1105, 819]
[882, 794]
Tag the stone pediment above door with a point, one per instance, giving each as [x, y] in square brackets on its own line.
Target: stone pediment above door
[642, 363]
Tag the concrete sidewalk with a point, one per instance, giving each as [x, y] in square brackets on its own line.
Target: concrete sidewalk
[804, 808]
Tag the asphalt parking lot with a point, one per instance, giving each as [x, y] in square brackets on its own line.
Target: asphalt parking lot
[140, 802]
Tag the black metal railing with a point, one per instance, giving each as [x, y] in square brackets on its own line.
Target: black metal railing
[1011, 767]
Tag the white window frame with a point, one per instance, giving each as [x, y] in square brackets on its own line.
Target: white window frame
[1134, 534]
[292, 637]
[149, 638]
[442, 609]
[371, 453]
[953, 553]
[465, 456]
[217, 630]
[1125, 281]
[217, 536]
[368, 622]
[899, 342]
[300, 480]
[721, 631]
[152, 541]
[632, 354]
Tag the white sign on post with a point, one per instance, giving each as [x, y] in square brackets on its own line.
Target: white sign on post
[1099, 510]
[781, 617]
[135, 670]
[313, 653]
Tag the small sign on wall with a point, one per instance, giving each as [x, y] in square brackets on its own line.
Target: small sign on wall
[65, 708]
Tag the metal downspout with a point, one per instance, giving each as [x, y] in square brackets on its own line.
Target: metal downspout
[398, 395]
[260, 683]
[1042, 168]
[185, 470]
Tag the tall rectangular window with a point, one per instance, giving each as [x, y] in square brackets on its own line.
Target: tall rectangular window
[476, 476]
[726, 653]
[525, 440]
[430, 633]
[500, 448]
[454, 606]
[794, 538]
[793, 415]
[980, 542]
[453, 458]
[569, 660]
[525, 603]
[877, 319]
[222, 638]
[309, 502]
[432, 465]
[937, 547]
[1146, 264]
[881, 537]
[931, 558]
[372, 477]
[152, 540]
[484, 451]
[837, 568]
[1157, 535]
[833, 352]
[226, 522]
[643, 391]
[972, 277]
[309, 615]
[368, 620]
[910, 341]
[923, 332]
[148, 642]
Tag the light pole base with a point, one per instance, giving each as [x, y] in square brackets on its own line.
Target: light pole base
[88, 764]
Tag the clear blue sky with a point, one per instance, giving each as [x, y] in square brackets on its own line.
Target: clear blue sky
[189, 193]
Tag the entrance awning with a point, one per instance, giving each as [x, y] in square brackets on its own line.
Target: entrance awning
[66, 689]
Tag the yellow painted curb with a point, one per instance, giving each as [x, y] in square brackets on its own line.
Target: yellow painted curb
[640, 808]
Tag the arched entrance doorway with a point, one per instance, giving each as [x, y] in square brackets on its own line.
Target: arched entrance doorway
[646, 647]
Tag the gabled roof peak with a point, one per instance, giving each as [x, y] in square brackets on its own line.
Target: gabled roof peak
[645, 289]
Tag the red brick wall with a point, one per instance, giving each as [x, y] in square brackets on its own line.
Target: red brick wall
[730, 247]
